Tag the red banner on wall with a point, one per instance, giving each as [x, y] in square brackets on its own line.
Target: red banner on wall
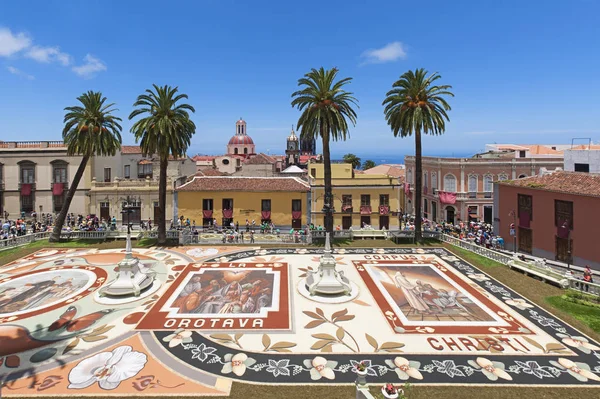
[296, 214]
[447, 198]
[25, 189]
[365, 210]
[58, 188]
[228, 213]
[384, 210]
[265, 215]
[207, 214]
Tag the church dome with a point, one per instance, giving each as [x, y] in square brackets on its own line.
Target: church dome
[240, 139]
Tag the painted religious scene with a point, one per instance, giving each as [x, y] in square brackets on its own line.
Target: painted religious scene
[222, 314]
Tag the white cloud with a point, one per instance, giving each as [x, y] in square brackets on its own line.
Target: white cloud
[18, 72]
[12, 43]
[48, 54]
[91, 66]
[388, 53]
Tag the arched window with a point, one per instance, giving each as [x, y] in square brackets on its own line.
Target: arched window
[450, 183]
[235, 150]
[409, 176]
[502, 177]
[434, 184]
[425, 182]
[488, 187]
[522, 176]
[245, 150]
[472, 186]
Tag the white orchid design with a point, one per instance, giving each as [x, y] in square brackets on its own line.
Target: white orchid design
[405, 368]
[518, 303]
[301, 251]
[236, 364]
[478, 276]
[492, 370]
[108, 369]
[581, 343]
[580, 371]
[199, 252]
[320, 367]
[180, 336]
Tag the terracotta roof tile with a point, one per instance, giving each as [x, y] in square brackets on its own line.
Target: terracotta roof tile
[579, 183]
[238, 183]
[210, 172]
[131, 149]
[261, 159]
[386, 169]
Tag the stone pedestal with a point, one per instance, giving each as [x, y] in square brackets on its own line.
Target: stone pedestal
[132, 276]
[326, 280]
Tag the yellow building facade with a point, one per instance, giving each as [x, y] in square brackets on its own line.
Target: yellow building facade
[359, 199]
[280, 200]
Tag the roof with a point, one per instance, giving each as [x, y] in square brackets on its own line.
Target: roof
[293, 169]
[204, 157]
[210, 172]
[586, 147]
[261, 159]
[394, 170]
[306, 158]
[241, 183]
[579, 183]
[542, 150]
[241, 139]
[131, 149]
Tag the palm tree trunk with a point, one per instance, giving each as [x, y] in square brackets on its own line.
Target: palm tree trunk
[328, 198]
[418, 184]
[162, 202]
[60, 220]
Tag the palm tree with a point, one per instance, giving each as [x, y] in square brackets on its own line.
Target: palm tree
[368, 164]
[165, 130]
[415, 106]
[326, 108]
[352, 159]
[90, 130]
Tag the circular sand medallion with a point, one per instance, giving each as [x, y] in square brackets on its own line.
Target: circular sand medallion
[328, 298]
[113, 300]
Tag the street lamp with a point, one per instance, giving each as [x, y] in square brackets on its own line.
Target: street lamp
[127, 210]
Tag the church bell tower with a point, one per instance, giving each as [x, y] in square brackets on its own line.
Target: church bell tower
[292, 150]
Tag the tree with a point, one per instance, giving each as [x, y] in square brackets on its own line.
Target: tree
[165, 130]
[90, 130]
[414, 106]
[353, 159]
[368, 164]
[326, 109]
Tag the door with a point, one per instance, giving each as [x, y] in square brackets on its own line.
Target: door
[487, 214]
[365, 221]
[450, 214]
[525, 240]
[346, 222]
[564, 249]
[434, 211]
[384, 221]
[297, 224]
[104, 211]
[135, 216]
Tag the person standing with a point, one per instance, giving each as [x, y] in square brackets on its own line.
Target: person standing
[251, 236]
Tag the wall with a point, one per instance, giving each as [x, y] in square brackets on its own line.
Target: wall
[246, 205]
[590, 157]
[585, 223]
[260, 170]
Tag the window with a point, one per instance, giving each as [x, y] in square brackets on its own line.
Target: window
[227, 203]
[525, 203]
[144, 169]
[313, 172]
[582, 167]
[409, 176]
[522, 176]
[27, 203]
[265, 205]
[502, 177]
[296, 205]
[488, 186]
[425, 180]
[450, 183]
[563, 212]
[245, 150]
[28, 173]
[522, 154]
[207, 204]
[107, 178]
[472, 186]
[60, 173]
[434, 182]
[127, 171]
[59, 201]
[365, 200]
[235, 150]
[346, 203]
[225, 161]
[384, 199]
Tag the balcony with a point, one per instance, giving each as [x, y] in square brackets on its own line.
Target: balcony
[31, 184]
[480, 195]
[126, 183]
[365, 209]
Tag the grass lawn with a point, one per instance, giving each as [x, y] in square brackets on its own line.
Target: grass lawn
[586, 319]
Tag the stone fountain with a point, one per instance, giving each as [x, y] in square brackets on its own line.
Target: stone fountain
[327, 284]
[133, 277]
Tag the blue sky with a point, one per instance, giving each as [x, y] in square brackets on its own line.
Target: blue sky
[522, 72]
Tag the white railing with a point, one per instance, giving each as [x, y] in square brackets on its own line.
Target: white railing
[588, 288]
[23, 240]
[84, 235]
[478, 249]
[171, 234]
